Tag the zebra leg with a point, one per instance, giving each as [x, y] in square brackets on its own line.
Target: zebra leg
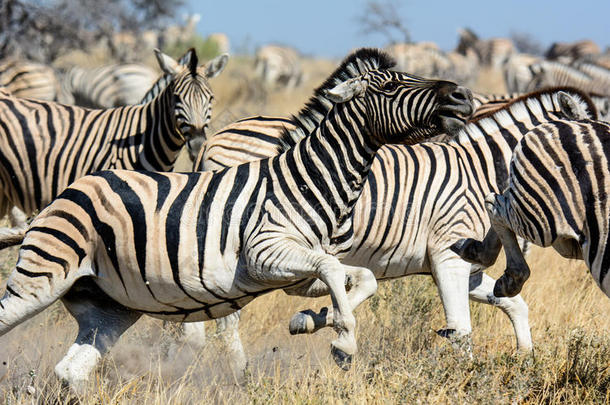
[481, 290]
[16, 233]
[101, 321]
[361, 284]
[517, 271]
[452, 275]
[18, 218]
[228, 329]
[483, 252]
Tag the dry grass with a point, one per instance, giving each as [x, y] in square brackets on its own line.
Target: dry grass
[400, 359]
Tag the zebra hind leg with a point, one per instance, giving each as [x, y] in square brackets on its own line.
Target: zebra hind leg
[101, 321]
[517, 271]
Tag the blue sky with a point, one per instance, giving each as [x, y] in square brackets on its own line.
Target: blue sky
[330, 28]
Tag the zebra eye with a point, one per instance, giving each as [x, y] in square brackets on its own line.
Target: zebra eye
[390, 86]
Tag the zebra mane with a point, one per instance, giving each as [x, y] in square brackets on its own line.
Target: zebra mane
[318, 106]
[549, 91]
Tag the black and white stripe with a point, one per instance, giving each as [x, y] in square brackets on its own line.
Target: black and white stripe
[557, 196]
[107, 86]
[45, 146]
[195, 246]
[26, 79]
[421, 200]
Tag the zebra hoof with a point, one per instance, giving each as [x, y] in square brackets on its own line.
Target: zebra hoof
[343, 360]
[300, 323]
[446, 333]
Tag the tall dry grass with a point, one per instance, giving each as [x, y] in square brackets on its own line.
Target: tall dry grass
[400, 360]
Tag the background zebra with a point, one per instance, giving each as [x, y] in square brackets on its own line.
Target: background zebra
[557, 196]
[441, 188]
[278, 66]
[107, 86]
[569, 52]
[195, 246]
[491, 52]
[45, 146]
[29, 80]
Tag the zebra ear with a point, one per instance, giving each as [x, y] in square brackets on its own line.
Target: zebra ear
[571, 107]
[216, 65]
[346, 90]
[166, 63]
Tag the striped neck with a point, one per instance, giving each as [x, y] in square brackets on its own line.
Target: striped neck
[161, 142]
[336, 159]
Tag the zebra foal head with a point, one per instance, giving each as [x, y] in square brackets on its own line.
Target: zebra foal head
[402, 108]
[191, 95]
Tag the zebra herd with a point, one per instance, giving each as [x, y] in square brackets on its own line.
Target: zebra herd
[326, 202]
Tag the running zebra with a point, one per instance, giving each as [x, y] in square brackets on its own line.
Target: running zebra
[441, 187]
[197, 246]
[45, 146]
[557, 196]
[107, 86]
[29, 80]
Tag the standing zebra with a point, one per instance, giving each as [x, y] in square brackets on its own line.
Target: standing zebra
[491, 52]
[557, 196]
[421, 200]
[197, 246]
[570, 52]
[278, 66]
[29, 80]
[45, 146]
[107, 86]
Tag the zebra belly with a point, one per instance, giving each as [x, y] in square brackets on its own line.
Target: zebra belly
[164, 294]
[390, 262]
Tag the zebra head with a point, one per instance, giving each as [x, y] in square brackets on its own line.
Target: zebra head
[407, 109]
[191, 96]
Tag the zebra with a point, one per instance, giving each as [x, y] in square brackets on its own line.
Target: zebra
[547, 74]
[45, 146]
[557, 196]
[201, 245]
[26, 79]
[107, 86]
[491, 52]
[445, 198]
[278, 66]
[569, 52]
[517, 73]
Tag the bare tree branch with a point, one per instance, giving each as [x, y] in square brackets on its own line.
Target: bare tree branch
[383, 17]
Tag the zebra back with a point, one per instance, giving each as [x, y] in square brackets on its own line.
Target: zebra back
[108, 86]
[29, 80]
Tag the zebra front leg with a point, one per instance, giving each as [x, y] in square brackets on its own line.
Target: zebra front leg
[452, 275]
[483, 252]
[361, 284]
[481, 290]
[101, 321]
[517, 271]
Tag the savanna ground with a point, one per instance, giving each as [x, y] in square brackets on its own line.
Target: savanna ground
[400, 359]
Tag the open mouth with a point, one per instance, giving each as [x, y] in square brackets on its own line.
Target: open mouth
[453, 118]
